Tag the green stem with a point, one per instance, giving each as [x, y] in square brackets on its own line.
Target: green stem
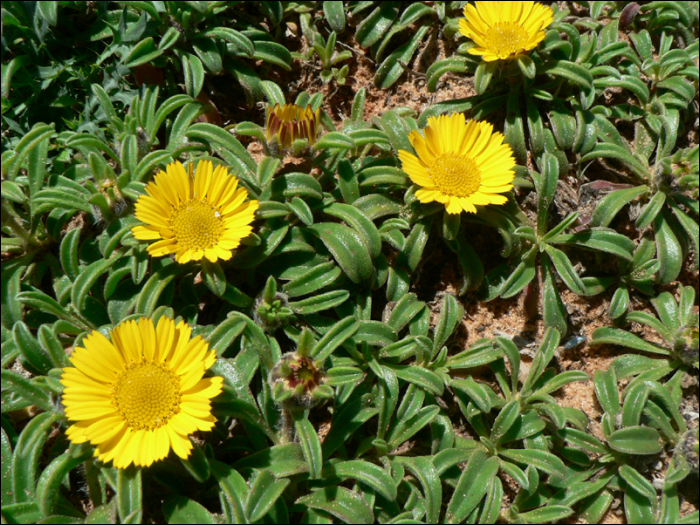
[287, 434]
[8, 219]
[96, 490]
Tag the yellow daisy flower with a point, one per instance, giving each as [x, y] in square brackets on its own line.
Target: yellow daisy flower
[504, 30]
[205, 215]
[459, 164]
[141, 394]
[288, 123]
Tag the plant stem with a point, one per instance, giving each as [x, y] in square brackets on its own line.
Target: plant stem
[287, 427]
[8, 219]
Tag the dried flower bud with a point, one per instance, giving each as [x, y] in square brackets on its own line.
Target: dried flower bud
[297, 381]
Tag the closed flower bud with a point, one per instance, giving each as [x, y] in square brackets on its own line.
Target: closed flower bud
[289, 123]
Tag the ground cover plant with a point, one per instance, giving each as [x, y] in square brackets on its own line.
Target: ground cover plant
[318, 262]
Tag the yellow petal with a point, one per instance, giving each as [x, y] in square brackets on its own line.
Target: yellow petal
[105, 429]
[89, 410]
[184, 256]
[180, 180]
[183, 423]
[467, 205]
[180, 444]
[85, 362]
[164, 247]
[419, 144]
[165, 337]
[428, 195]
[453, 205]
[161, 443]
[208, 387]
[202, 178]
[192, 376]
[148, 336]
[145, 233]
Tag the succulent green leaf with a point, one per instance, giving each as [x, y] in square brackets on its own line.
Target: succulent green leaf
[180, 509]
[575, 73]
[193, 72]
[344, 504]
[335, 140]
[563, 126]
[616, 336]
[281, 460]
[391, 69]
[361, 223]
[540, 459]
[347, 247]
[129, 495]
[668, 250]
[637, 440]
[554, 312]
[273, 53]
[225, 144]
[439, 68]
[301, 210]
[513, 129]
[583, 439]
[471, 487]
[48, 492]
[650, 211]
[566, 270]
[601, 239]
[429, 478]
[367, 473]
[235, 489]
[26, 389]
[241, 44]
[30, 350]
[608, 150]
[412, 426]
[154, 288]
[349, 418]
[546, 514]
[476, 392]
[421, 377]
[371, 29]
[28, 451]
[320, 302]
[142, 53]
[311, 446]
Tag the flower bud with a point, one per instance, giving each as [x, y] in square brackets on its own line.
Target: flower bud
[297, 381]
[289, 123]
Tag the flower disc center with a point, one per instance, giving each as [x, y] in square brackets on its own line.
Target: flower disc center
[197, 225]
[506, 39]
[455, 175]
[304, 372]
[147, 395]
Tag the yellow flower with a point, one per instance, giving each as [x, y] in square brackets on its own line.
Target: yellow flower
[504, 30]
[142, 394]
[288, 123]
[459, 164]
[205, 215]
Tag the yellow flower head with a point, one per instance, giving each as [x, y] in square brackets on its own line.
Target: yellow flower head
[288, 123]
[459, 164]
[205, 215]
[141, 394]
[504, 30]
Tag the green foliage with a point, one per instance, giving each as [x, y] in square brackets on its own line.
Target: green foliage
[676, 323]
[350, 393]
